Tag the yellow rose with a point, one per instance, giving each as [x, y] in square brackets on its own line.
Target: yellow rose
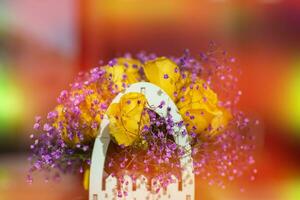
[164, 73]
[89, 118]
[124, 71]
[198, 105]
[127, 118]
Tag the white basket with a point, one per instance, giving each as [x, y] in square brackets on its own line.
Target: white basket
[154, 96]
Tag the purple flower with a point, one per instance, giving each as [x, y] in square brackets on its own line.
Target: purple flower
[47, 127]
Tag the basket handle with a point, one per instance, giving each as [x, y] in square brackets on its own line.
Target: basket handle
[154, 96]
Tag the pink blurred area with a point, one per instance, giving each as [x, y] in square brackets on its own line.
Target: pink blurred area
[44, 44]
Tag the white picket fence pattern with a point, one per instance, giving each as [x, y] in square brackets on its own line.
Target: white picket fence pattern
[154, 96]
[142, 190]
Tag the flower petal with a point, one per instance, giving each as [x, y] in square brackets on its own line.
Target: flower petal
[125, 71]
[164, 73]
[127, 118]
[198, 105]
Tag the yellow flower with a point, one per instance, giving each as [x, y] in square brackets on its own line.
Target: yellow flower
[127, 118]
[198, 105]
[164, 73]
[89, 118]
[124, 71]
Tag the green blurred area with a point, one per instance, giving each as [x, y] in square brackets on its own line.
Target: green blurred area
[291, 190]
[293, 97]
[11, 102]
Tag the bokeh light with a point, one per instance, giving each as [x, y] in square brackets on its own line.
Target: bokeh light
[12, 101]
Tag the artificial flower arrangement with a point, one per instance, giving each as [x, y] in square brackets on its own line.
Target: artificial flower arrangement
[205, 93]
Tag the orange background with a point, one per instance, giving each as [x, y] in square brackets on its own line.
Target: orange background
[44, 44]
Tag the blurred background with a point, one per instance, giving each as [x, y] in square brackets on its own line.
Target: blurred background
[44, 44]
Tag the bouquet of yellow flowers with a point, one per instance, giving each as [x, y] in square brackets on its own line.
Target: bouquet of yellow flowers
[205, 92]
